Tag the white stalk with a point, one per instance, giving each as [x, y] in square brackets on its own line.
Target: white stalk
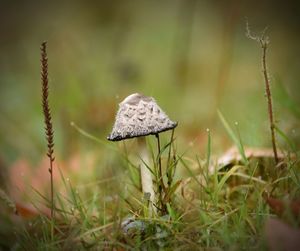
[146, 175]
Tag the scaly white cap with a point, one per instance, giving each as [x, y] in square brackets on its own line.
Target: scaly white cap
[139, 115]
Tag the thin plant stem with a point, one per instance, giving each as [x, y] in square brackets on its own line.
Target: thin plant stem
[169, 175]
[52, 189]
[159, 161]
[264, 46]
[170, 148]
[161, 186]
[264, 41]
[48, 122]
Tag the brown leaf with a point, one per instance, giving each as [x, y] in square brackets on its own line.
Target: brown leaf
[232, 156]
[279, 206]
[28, 211]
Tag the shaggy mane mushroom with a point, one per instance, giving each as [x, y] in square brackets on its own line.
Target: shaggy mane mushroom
[139, 116]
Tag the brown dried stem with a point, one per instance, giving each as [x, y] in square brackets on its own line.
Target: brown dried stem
[264, 41]
[264, 46]
[47, 117]
[161, 185]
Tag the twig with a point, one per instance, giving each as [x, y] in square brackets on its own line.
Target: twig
[264, 41]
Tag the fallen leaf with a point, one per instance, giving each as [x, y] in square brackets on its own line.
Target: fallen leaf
[280, 206]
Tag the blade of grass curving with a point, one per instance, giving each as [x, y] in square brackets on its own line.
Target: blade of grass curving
[146, 165]
[41, 195]
[77, 201]
[242, 150]
[134, 176]
[90, 136]
[226, 177]
[171, 212]
[127, 160]
[204, 173]
[260, 181]
[295, 173]
[170, 191]
[208, 149]
[220, 219]
[70, 201]
[134, 173]
[193, 175]
[86, 223]
[290, 143]
[63, 178]
[62, 209]
[94, 230]
[215, 185]
[282, 96]
[252, 178]
[233, 137]
[208, 154]
[249, 220]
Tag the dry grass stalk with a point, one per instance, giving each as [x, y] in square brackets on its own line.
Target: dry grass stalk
[47, 117]
[263, 40]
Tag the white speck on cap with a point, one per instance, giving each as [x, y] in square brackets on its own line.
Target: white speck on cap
[139, 115]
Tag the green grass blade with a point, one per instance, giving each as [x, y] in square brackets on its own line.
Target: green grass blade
[225, 178]
[171, 190]
[233, 137]
[193, 175]
[147, 166]
[90, 136]
[208, 149]
[286, 139]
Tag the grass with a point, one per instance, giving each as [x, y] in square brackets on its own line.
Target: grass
[219, 208]
[208, 205]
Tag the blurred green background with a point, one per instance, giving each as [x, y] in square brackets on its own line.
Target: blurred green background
[192, 56]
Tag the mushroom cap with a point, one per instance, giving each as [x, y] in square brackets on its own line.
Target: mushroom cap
[137, 116]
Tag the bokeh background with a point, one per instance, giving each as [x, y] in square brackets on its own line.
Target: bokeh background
[192, 56]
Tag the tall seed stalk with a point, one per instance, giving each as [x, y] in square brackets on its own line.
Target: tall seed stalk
[47, 117]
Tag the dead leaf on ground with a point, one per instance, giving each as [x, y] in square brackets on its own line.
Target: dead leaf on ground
[280, 206]
[232, 155]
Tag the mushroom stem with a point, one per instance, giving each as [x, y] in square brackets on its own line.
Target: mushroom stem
[146, 176]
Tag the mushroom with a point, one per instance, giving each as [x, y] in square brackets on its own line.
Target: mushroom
[139, 116]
